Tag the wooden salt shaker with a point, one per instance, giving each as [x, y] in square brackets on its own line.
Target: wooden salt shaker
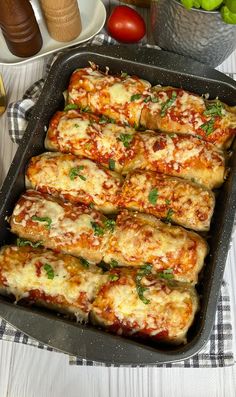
[20, 28]
[62, 18]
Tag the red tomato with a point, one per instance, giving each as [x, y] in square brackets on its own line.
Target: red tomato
[126, 25]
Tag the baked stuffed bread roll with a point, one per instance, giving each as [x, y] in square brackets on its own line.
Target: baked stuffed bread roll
[177, 200]
[117, 97]
[136, 304]
[74, 179]
[123, 150]
[176, 110]
[87, 135]
[57, 281]
[178, 155]
[139, 239]
[61, 226]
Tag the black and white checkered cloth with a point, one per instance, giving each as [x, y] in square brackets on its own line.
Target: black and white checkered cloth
[218, 352]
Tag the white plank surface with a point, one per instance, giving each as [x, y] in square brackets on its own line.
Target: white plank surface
[30, 372]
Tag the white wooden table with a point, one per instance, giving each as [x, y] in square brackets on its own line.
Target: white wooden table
[30, 372]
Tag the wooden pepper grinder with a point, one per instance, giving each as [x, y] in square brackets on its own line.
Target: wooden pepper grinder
[62, 18]
[20, 28]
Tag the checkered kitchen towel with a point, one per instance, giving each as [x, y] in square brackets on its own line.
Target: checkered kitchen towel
[218, 351]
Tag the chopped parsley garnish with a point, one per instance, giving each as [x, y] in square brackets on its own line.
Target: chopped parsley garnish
[112, 164]
[114, 263]
[86, 109]
[45, 219]
[22, 243]
[70, 106]
[124, 75]
[98, 230]
[91, 205]
[213, 109]
[84, 262]
[168, 104]
[151, 99]
[167, 202]
[135, 97]
[110, 224]
[208, 127]
[104, 266]
[125, 139]
[107, 266]
[167, 274]
[74, 172]
[153, 196]
[144, 271]
[104, 120]
[49, 270]
[169, 215]
[114, 277]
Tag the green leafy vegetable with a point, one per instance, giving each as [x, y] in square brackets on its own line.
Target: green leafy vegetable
[49, 270]
[124, 75]
[165, 106]
[125, 139]
[166, 274]
[22, 243]
[114, 263]
[167, 202]
[107, 266]
[45, 219]
[105, 120]
[214, 109]
[151, 99]
[98, 230]
[144, 271]
[135, 97]
[75, 171]
[104, 266]
[112, 164]
[114, 277]
[169, 215]
[86, 109]
[70, 106]
[110, 224]
[84, 262]
[153, 196]
[208, 127]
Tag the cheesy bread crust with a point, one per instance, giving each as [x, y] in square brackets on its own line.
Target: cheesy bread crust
[60, 226]
[117, 97]
[183, 202]
[74, 179]
[50, 279]
[139, 239]
[176, 110]
[178, 155]
[167, 315]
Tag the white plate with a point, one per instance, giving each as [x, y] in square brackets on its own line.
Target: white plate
[93, 16]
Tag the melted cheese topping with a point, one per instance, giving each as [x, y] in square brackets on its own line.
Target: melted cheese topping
[187, 114]
[50, 172]
[139, 239]
[72, 287]
[78, 134]
[70, 230]
[167, 316]
[190, 204]
[111, 96]
[183, 156]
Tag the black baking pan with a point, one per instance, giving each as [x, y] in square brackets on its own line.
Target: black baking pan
[85, 341]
